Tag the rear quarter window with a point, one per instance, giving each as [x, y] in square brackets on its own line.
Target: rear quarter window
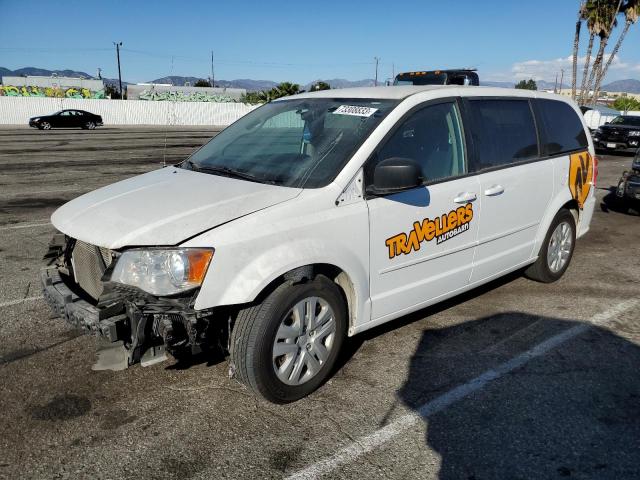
[504, 132]
[563, 130]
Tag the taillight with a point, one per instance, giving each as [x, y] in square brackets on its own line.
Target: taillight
[595, 171]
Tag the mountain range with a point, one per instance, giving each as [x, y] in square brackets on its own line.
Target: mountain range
[627, 85]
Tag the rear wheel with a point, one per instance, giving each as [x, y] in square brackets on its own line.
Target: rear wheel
[285, 347]
[90, 126]
[556, 251]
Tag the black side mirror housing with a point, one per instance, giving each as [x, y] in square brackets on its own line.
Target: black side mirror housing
[395, 174]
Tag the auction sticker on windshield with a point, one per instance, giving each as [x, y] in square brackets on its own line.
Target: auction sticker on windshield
[355, 110]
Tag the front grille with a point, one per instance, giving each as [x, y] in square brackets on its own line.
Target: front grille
[89, 264]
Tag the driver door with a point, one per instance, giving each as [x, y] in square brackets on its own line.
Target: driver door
[422, 241]
[64, 119]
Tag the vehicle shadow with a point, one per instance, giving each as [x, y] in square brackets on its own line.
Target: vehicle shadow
[611, 203]
[353, 344]
[571, 412]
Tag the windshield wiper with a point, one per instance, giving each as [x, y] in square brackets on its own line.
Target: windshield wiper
[228, 172]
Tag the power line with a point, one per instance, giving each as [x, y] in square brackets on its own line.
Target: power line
[49, 49]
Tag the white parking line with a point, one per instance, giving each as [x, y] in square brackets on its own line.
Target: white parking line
[28, 225]
[20, 300]
[378, 438]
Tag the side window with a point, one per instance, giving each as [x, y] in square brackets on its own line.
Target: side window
[563, 129]
[66, 113]
[433, 138]
[504, 133]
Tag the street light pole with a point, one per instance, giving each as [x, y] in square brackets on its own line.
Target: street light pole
[377, 59]
[118, 45]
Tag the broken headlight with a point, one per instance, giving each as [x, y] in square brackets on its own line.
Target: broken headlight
[162, 271]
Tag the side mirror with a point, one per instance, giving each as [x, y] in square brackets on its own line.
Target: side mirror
[607, 123]
[395, 174]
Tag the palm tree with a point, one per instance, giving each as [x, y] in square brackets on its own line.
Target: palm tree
[576, 43]
[285, 89]
[608, 21]
[592, 13]
[631, 11]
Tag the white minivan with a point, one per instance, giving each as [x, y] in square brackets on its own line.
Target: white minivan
[317, 217]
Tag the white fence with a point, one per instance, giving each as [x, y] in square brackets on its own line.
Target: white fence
[18, 110]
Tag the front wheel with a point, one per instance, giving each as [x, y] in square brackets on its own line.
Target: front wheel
[45, 126]
[556, 251]
[285, 347]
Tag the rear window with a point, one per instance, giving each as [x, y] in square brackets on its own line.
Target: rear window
[505, 133]
[563, 130]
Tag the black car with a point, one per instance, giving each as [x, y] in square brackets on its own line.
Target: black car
[67, 119]
[622, 133]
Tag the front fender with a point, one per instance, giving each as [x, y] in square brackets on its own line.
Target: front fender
[244, 265]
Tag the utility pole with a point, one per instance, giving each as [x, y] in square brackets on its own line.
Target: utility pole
[555, 85]
[377, 59]
[118, 45]
[213, 78]
[561, 79]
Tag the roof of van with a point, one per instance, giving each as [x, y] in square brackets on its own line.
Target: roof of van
[400, 92]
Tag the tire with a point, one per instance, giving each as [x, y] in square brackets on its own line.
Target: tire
[45, 126]
[258, 330]
[90, 126]
[545, 269]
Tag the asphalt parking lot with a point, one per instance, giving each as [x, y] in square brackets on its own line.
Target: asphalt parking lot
[515, 380]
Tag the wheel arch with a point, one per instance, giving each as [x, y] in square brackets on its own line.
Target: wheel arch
[572, 206]
[563, 202]
[305, 273]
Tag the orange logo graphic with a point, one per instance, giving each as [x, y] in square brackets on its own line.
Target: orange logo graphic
[580, 176]
[442, 228]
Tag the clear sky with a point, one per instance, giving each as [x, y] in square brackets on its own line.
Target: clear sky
[298, 41]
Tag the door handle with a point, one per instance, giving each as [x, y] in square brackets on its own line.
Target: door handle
[465, 197]
[494, 190]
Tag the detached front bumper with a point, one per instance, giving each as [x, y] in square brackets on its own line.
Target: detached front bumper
[131, 326]
[108, 322]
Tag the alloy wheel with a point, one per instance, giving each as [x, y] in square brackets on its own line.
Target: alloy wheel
[304, 341]
[560, 245]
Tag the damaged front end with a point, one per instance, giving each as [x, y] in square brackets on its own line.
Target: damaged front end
[130, 324]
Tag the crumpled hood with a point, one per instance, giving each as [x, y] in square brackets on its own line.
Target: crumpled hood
[163, 207]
